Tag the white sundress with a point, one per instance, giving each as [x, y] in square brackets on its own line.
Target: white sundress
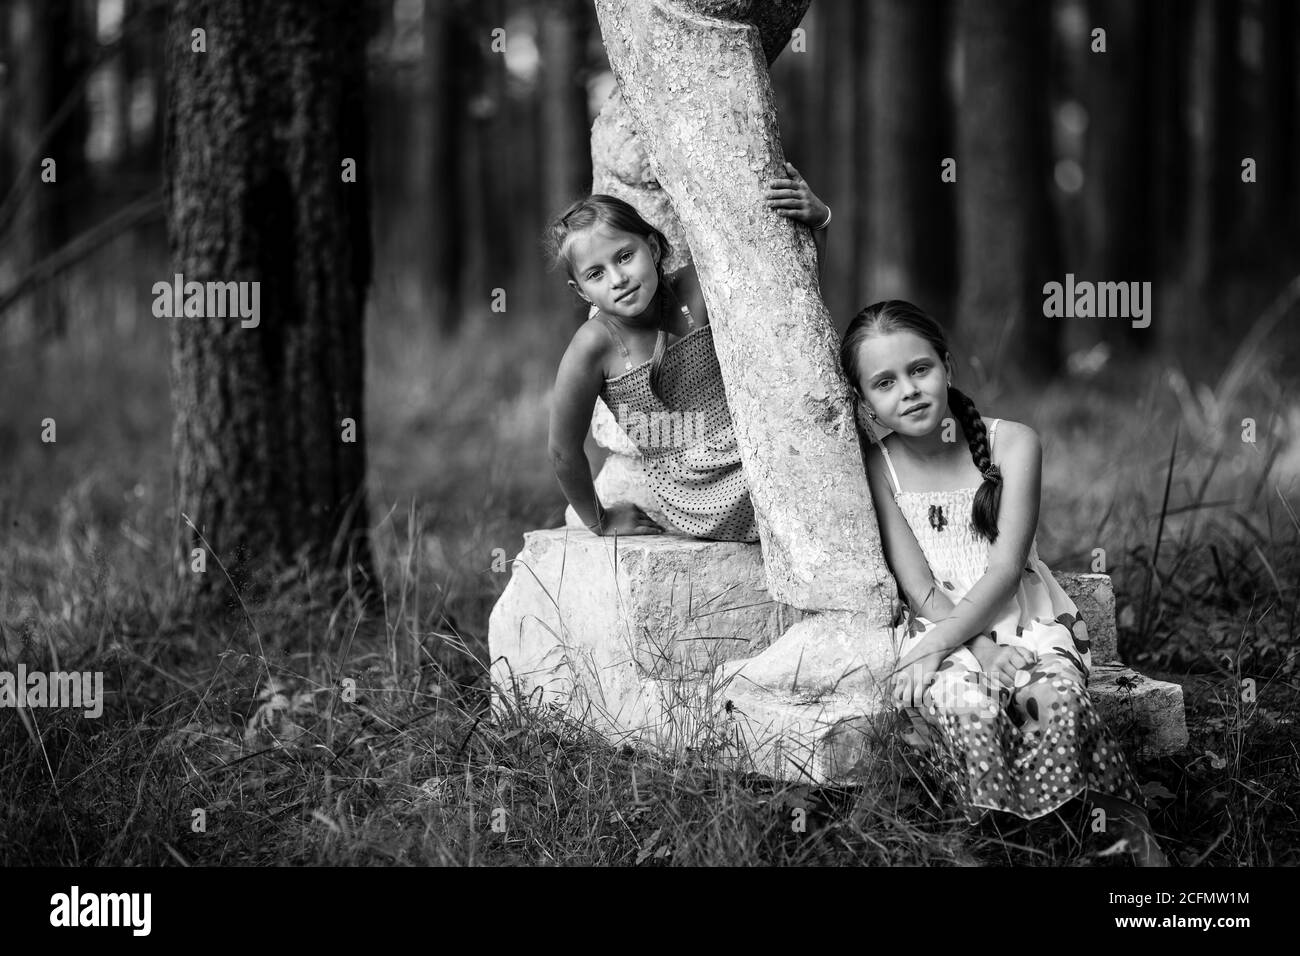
[1026, 752]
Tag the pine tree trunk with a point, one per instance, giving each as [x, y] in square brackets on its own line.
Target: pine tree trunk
[1166, 28]
[258, 127]
[8, 159]
[844, 165]
[697, 88]
[565, 28]
[910, 247]
[444, 95]
[1215, 179]
[566, 127]
[1009, 247]
[1120, 135]
[1276, 196]
[49, 41]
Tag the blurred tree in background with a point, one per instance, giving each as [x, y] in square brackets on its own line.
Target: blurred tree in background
[269, 446]
[1122, 165]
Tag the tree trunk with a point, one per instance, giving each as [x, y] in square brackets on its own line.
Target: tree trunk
[565, 27]
[258, 127]
[841, 163]
[443, 93]
[566, 126]
[1277, 193]
[50, 40]
[124, 69]
[1009, 246]
[1215, 180]
[910, 247]
[697, 88]
[620, 164]
[8, 158]
[1166, 28]
[1120, 138]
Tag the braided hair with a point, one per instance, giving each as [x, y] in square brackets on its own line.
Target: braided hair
[895, 315]
[611, 211]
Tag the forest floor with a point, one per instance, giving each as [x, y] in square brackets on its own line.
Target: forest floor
[232, 744]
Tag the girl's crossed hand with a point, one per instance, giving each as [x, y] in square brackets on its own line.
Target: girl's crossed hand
[1003, 664]
[794, 199]
[915, 673]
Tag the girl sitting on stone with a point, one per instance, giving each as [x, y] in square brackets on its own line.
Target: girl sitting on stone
[994, 657]
[646, 351]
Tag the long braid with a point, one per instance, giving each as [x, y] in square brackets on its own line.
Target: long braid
[984, 510]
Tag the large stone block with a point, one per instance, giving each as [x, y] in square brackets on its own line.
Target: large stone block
[1140, 708]
[652, 637]
[603, 625]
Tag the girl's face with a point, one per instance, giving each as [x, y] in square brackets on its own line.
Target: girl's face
[615, 270]
[899, 372]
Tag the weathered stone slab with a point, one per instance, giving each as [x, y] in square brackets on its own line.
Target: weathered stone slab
[826, 741]
[588, 618]
[1150, 710]
[648, 637]
[815, 742]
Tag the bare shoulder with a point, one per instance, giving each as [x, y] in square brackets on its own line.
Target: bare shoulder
[875, 464]
[873, 456]
[590, 343]
[1015, 439]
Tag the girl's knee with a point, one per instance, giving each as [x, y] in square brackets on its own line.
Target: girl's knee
[963, 693]
[1044, 695]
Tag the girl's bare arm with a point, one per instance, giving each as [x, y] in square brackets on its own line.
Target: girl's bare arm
[577, 386]
[686, 286]
[902, 552]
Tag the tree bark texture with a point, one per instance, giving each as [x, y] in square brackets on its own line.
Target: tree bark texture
[694, 76]
[620, 165]
[257, 129]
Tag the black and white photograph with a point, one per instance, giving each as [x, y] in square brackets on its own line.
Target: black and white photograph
[651, 434]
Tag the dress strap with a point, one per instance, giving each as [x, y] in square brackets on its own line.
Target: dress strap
[686, 311]
[993, 428]
[609, 327]
[898, 489]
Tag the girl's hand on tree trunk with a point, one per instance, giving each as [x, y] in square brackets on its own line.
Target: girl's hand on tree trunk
[794, 199]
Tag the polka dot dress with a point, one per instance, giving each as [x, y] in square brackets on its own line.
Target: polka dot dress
[1026, 751]
[688, 446]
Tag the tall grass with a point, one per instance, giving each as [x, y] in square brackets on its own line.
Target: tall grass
[250, 724]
